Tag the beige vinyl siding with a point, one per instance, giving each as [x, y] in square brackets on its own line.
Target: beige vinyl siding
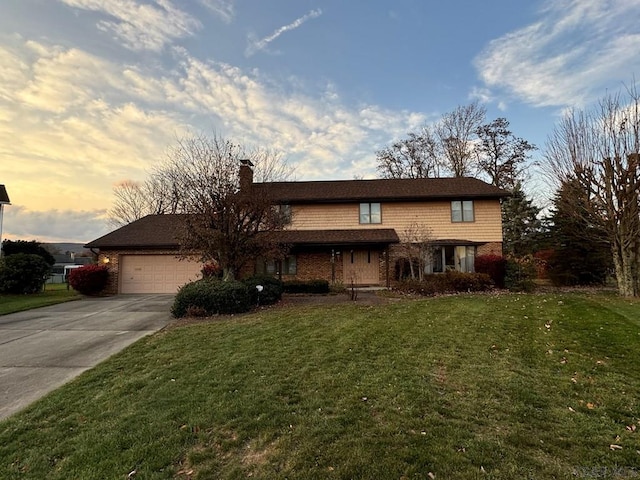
[486, 226]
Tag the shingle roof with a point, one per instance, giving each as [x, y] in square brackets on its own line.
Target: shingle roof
[152, 231]
[336, 237]
[380, 189]
[4, 196]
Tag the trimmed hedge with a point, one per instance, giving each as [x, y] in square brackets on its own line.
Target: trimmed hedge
[211, 297]
[448, 282]
[90, 279]
[23, 273]
[271, 292]
[308, 286]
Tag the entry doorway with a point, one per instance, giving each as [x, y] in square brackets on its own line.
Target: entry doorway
[361, 267]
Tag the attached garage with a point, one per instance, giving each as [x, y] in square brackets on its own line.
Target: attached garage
[156, 273]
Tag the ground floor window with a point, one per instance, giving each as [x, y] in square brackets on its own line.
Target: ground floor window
[286, 266]
[452, 257]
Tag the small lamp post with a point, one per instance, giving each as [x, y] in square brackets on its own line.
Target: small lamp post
[259, 288]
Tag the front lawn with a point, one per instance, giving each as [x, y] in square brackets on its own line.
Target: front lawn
[464, 387]
[53, 293]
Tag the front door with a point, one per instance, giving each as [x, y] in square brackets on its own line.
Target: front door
[361, 267]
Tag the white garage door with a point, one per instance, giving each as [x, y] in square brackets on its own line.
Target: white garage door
[156, 273]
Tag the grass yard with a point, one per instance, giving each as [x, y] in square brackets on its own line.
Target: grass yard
[465, 387]
[54, 293]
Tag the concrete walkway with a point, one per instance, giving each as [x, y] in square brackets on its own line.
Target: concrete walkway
[44, 348]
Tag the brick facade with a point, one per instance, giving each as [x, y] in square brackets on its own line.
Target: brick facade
[493, 248]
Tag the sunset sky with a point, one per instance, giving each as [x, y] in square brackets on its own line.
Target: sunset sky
[93, 92]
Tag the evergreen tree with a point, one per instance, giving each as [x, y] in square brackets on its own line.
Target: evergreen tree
[582, 254]
[521, 227]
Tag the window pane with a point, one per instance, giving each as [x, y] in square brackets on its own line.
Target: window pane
[376, 216]
[437, 260]
[471, 259]
[467, 210]
[271, 267]
[364, 213]
[456, 211]
[290, 265]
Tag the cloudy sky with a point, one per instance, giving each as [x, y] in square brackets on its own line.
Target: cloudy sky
[92, 92]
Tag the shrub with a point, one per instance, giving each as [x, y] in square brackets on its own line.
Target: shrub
[519, 274]
[448, 282]
[492, 265]
[211, 270]
[271, 292]
[308, 286]
[89, 279]
[468, 282]
[211, 297]
[23, 273]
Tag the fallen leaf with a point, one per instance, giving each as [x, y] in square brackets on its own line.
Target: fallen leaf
[572, 410]
[431, 475]
[615, 447]
[590, 406]
[631, 428]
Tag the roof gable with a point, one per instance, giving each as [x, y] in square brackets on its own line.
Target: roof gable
[152, 231]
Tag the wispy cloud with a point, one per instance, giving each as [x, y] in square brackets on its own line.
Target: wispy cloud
[80, 226]
[568, 57]
[258, 45]
[225, 9]
[141, 26]
[79, 134]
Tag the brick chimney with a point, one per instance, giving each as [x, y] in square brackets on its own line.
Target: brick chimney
[246, 175]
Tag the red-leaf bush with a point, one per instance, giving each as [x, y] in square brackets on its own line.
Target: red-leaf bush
[448, 282]
[90, 279]
[493, 265]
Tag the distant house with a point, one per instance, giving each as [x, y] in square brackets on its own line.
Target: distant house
[343, 231]
[63, 263]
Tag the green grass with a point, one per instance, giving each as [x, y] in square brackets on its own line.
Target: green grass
[54, 293]
[465, 387]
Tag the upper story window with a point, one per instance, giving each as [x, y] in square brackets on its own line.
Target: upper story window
[370, 213]
[285, 211]
[462, 211]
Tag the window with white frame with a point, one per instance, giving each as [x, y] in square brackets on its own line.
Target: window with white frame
[452, 257]
[462, 211]
[370, 213]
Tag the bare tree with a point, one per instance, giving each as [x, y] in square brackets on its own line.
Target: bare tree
[417, 248]
[599, 151]
[502, 155]
[456, 132]
[447, 147]
[224, 223]
[413, 157]
[131, 203]
[163, 191]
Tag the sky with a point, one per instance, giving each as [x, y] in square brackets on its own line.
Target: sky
[94, 92]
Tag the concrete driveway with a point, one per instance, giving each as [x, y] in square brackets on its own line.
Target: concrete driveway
[44, 348]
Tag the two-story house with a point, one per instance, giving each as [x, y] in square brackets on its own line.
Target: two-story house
[345, 231]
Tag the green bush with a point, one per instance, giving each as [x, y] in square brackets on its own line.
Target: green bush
[520, 274]
[89, 279]
[448, 282]
[308, 286]
[212, 297]
[23, 273]
[271, 292]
